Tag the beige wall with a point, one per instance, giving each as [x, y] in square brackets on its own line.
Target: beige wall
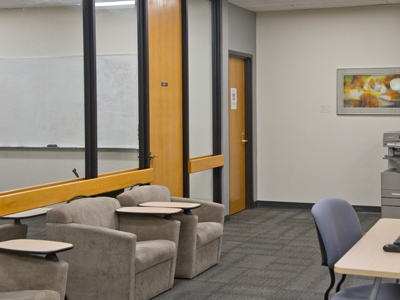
[303, 154]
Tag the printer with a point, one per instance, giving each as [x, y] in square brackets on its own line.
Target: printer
[390, 178]
[392, 141]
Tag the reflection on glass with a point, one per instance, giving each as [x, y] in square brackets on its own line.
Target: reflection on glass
[200, 77]
[117, 85]
[41, 88]
[201, 185]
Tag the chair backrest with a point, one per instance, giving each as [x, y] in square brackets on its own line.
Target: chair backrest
[98, 211]
[144, 193]
[338, 228]
[13, 231]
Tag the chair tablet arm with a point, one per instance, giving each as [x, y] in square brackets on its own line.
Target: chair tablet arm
[207, 212]
[148, 228]
[29, 272]
[13, 231]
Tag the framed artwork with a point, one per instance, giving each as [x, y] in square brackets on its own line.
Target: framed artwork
[368, 91]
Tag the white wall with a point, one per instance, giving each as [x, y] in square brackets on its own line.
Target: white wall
[305, 155]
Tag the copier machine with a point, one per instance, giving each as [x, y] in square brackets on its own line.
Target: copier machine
[390, 178]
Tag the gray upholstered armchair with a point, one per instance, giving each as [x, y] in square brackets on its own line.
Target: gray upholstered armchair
[28, 277]
[115, 256]
[200, 237]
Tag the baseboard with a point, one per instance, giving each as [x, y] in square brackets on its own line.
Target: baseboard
[297, 205]
[367, 209]
[277, 204]
[227, 218]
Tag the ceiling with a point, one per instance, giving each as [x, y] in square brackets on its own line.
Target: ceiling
[253, 5]
[279, 5]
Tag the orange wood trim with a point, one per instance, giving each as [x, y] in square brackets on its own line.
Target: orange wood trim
[35, 187]
[202, 163]
[24, 199]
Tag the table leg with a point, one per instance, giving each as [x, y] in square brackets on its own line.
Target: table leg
[375, 288]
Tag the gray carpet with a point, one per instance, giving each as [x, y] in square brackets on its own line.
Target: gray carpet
[267, 254]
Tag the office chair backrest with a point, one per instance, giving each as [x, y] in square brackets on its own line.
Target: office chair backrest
[338, 228]
[98, 211]
[144, 193]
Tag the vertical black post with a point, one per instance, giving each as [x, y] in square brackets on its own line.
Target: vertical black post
[216, 65]
[248, 71]
[89, 54]
[185, 99]
[143, 85]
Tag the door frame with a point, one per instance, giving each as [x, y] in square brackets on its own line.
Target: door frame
[249, 152]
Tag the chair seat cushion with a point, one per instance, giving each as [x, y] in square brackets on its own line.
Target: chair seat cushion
[387, 291]
[151, 253]
[30, 295]
[208, 232]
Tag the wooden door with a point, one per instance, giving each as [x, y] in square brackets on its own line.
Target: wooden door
[165, 72]
[237, 138]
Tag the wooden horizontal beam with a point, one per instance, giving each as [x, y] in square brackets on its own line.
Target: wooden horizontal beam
[44, 195]
[203, 163]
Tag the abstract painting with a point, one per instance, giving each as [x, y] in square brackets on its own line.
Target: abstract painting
[368, 91]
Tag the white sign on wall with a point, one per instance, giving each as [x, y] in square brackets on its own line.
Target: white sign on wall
[233, 98]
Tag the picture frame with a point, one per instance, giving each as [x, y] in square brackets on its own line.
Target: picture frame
[368, 91]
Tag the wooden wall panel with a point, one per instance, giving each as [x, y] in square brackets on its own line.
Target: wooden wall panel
[165, 66]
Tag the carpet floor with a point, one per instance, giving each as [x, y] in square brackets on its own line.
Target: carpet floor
[267, 253]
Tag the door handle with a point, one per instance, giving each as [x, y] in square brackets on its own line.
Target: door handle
[153, 156]
[244, 141]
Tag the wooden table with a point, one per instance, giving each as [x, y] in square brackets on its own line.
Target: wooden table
[186, 206]
[27, 214]
[167, 212]
[49, 248]
[367, 257]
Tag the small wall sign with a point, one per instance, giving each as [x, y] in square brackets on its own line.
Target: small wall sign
[233, 98]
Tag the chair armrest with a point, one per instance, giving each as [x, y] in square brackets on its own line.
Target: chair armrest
[28, 272]
[207, 212]
[100, 257]
[148, 228]
[13, 231]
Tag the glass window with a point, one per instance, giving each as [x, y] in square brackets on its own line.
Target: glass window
[201, 185]
[41, 88]
[117, 85]
[200, 93]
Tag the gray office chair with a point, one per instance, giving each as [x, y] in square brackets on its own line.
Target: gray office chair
[338, 229]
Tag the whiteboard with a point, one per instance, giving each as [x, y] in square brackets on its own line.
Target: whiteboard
[42, 101]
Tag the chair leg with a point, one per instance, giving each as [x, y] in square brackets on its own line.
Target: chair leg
[340, 283]
[332, 273]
